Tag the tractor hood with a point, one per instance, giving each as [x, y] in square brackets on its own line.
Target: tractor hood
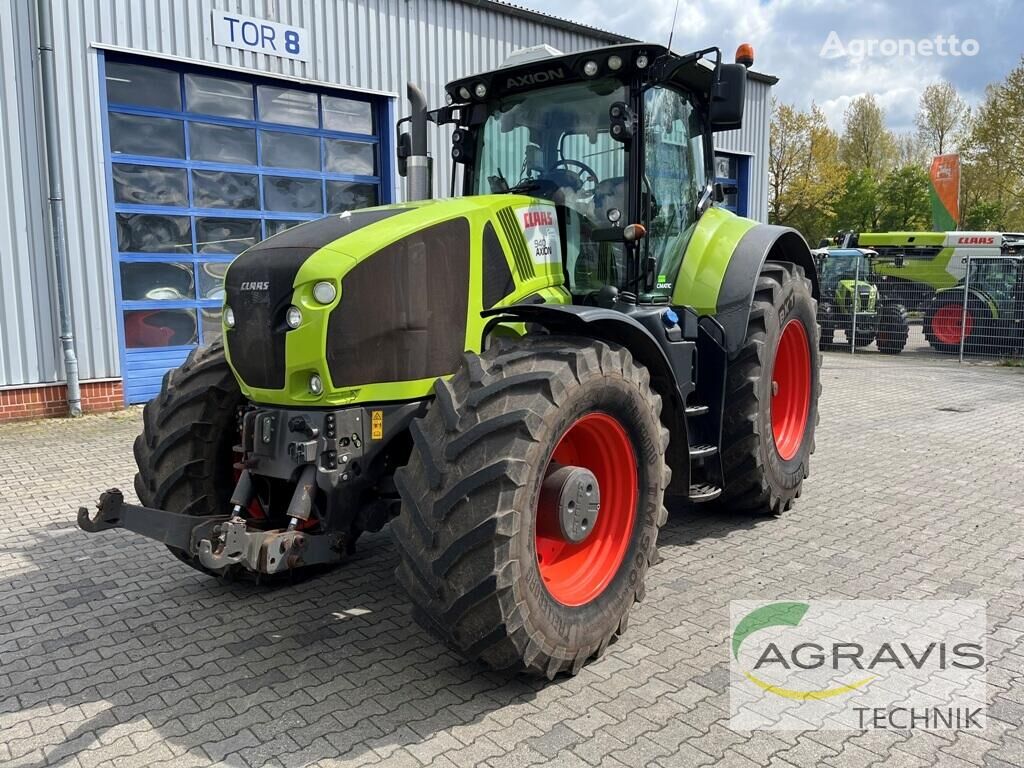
[405, 285]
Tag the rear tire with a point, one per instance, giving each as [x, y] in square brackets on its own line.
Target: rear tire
[184, 453]
[893, 329]
[468, 532]
[945, 324]
[764, 474]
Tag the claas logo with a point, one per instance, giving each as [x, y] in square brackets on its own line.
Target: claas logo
[537, 219]
[976, 240]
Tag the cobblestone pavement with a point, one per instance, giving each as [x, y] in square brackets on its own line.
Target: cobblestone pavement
[113, 653]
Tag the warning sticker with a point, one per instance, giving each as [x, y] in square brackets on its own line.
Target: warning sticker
[377, 425]
[540, 227]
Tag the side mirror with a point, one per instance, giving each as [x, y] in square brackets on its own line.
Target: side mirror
[402, 151]
[727, 97]
[898, 260]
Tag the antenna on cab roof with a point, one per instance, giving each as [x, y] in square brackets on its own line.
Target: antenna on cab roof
[672, 30]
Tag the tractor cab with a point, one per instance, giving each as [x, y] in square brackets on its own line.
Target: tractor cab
[616, 145]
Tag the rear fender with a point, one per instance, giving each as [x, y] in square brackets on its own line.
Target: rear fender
[956, 295]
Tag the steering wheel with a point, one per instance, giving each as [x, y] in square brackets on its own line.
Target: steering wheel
[585, 176]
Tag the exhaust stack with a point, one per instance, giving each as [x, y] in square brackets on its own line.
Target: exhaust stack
[412, 148]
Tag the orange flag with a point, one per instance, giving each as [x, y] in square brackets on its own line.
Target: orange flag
[945, 192]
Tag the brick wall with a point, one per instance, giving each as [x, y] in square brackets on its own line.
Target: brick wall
[51, 400]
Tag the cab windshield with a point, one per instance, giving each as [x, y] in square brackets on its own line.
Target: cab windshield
[554, 144]
[839, 267]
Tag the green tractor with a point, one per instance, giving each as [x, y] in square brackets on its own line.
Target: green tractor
[850, 302]
[989, 319]
[515, 378]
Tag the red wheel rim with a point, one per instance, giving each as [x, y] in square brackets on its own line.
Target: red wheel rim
[946, 324]
[576, 573]
[791, 389]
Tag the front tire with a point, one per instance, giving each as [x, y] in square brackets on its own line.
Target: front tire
[184, 454]
[482, 558]
[772, 389]
[893, 329]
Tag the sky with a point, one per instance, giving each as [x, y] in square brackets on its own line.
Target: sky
[789, 37]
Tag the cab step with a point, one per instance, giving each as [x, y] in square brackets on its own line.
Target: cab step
[704, 492]
[703, 450]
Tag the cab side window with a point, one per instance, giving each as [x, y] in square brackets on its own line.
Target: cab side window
[675, 176]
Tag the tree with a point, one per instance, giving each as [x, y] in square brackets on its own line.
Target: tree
[867, 145]
[992, 178]
[805, 176]
[910, 150]
[858, 207]
[905, 204]
[787, 144]
[941, 115]
[983, 215]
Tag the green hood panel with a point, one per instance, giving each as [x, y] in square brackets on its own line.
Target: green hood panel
[413, 290]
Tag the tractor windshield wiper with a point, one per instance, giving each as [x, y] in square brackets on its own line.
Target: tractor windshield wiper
[524, 186]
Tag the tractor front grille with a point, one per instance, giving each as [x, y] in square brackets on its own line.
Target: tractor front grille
[863, 298]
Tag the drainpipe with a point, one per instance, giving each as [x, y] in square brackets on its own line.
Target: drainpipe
[56, 189]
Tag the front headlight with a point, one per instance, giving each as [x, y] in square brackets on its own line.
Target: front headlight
[293, 317]
[325, 292]
[229, 317]
[316, 384]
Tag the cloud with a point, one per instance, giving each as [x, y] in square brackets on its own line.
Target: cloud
[788, 36]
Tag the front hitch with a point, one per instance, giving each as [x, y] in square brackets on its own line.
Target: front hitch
[171, 528]
[217, 541]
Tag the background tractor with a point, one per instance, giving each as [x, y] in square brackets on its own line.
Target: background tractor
[850, 302]
[991, 320]
[513, 378]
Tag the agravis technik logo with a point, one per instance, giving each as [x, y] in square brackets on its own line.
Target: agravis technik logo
[857, 664]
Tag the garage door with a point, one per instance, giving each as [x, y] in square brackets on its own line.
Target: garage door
[201, 165]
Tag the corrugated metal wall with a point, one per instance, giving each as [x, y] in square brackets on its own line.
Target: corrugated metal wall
[752, 140]
[28, 351]
[370, 44]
